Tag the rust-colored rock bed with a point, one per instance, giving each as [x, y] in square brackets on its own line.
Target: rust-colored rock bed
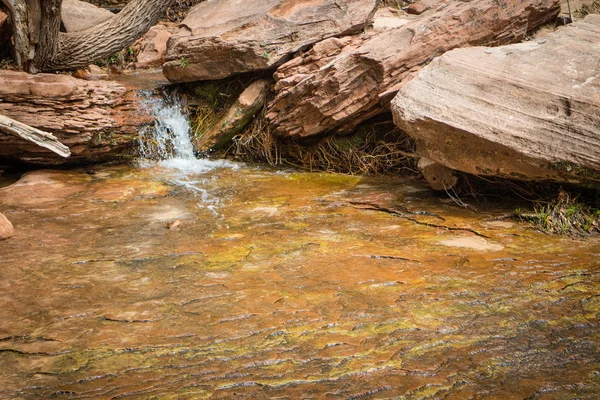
[285, 285]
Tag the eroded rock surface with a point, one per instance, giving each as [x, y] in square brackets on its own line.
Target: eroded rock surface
[342, 82]
[96, 119]
[526, 111]
[220, 38]
[78, 15]
[289, 285]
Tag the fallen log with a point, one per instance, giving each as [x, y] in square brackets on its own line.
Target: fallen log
[41, 138]
[342, 82]
[529, 111]
[97, 120]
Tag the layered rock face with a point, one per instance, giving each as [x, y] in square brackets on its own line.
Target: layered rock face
[220, 38]
[527, 111]
[96, 119]
[342, 82]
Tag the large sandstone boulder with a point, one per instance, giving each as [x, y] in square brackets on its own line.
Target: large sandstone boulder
[340, 83]
[96, 119]
[527, 111]
[78, 15]
[220, 38]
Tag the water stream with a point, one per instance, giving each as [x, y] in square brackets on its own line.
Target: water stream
[283, 284]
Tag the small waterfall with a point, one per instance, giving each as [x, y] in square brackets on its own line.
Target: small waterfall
[169, 141]
[170, 136]
[168, 145]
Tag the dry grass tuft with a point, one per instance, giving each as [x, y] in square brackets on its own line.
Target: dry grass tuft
[376, 147]
[564, 215]
[209, 101]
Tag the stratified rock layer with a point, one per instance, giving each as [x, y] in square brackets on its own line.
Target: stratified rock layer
[527, 111]
[220, 38]
[96, 119]
[342, 82]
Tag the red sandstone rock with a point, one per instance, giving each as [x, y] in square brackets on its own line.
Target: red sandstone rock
[342, 82]
[78, 15]
[96, 119]
[152, 47]
[221, 38]
[421, 6]
[6, 228]
[527, 111]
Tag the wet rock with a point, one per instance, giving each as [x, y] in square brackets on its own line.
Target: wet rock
[337, 85]
[6, 228]
[472, 242]
[528, 111]
[41, 187]
[78, 15]
[98, 120]
[221, 38]
[91, 73]
[238, 116]
[151, 48]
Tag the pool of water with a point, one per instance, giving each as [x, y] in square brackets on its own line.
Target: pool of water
[219, 280]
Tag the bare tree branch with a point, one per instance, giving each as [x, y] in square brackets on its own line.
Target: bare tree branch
[41, 138]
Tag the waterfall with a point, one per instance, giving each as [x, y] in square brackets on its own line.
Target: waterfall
[169, 141]
[170, 137]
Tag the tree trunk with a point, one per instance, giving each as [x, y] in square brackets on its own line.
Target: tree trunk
[39, 46]
[97, 120]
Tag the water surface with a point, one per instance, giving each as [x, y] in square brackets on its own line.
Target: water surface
[284, 285]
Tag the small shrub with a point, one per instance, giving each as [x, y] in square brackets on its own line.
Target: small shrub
[184, 62]
[564, 215]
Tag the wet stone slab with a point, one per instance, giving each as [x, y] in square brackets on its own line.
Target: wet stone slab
[288, 285]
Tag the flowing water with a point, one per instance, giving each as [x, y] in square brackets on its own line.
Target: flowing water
[283, 284]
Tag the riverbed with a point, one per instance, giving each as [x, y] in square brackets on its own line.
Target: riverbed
[224, 280]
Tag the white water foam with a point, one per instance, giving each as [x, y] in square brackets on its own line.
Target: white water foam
[168, 143]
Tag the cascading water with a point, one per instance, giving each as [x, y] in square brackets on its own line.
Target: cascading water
[169, 140]
[168, 144]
